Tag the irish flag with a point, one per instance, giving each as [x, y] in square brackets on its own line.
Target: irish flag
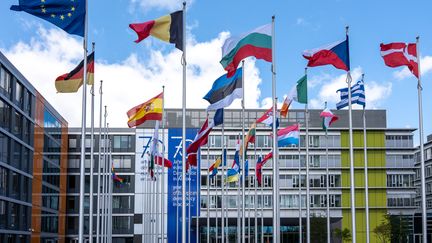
[328, 118]
[256, 43]
[288, 136]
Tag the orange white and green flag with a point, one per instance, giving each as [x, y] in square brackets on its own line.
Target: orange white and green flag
[150, 110]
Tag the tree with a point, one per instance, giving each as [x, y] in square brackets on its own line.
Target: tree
[344, 235]
[399, 228]
[383, 231]
[318, 229]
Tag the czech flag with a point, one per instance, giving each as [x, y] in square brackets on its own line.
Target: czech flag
[336, 54]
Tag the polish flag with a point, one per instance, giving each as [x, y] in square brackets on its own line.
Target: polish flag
[401, 54]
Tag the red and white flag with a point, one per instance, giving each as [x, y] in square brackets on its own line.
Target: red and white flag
[401, 54]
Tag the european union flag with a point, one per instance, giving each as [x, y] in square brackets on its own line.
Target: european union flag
[69, 15]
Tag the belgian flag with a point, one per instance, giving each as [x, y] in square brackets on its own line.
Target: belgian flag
[168, 28]
[72, 81]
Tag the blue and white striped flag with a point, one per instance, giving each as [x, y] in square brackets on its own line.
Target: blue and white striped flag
[357, 96]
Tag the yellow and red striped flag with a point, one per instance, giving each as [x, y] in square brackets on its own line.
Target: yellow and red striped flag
[150, 110]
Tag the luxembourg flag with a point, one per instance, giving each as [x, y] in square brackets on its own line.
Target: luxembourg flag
[267, 118]
[288, 136]
[336, 54]
[328, 118]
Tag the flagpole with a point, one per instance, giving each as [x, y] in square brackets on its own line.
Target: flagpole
[145, 199]
[223, 182]
[163, 168]
[327, 183]
[157, 202]
[189, 205]
[239, 229]
[352, 180]
[300, 196]
[422, 164]
[276, 215]
[177, 204]
[110, 186]
[91, 160]
[184, 129]
[107, 185]
[262, 206]
[256, 194]
[83, 133]
[98, 214]
[208, 195]
[103, 216]
[307, 172]
[243, 144]
[366, 172]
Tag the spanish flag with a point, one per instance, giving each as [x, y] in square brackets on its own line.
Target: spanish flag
[168, 28]
[71, 82]
[149, 110]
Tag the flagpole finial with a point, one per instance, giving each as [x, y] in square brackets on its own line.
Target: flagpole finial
[306, 70]
[273, 17]
[346, 29]
[363, 76]
[325, 104]
[184, 4]
[417, 38]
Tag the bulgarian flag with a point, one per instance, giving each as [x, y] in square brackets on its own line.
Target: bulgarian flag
[256, 43]
[328, 118]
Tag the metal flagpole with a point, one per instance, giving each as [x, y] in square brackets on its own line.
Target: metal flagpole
[184, 129]
[163, 168]
[107, 183]
[300, 196]
[249, 210]
[327, 183]
[216, 207]
[223, 183]
[198, 203]
[189, 203]
[366, 172]
[177, 203]
[262, 206]
[98, 206]
[103, 228]
[276, 215]
[208, 197]
[144, 202]
[83, 133]
[91, 160]
[422, 165]
[239, 229]
[352, 181]
[243, 144]
[256, 194]
[157, 191]
[307, 172]
[110, 186]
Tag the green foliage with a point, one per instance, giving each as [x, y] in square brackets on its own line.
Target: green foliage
[344, 235]
[318, 229]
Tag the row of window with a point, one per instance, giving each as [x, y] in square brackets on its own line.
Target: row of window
[119, 204]
[15, 91]
[120, 143]
[118, 187]
[286, 201]
[399, 161]
[13, 121]
[399, 141]
[265, 141]
[14, 216]
[120, 225]
[118, 161]
[400, 180]
[15, 154]
[14, 185]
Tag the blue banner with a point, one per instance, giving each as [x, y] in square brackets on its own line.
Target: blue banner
[174, 186]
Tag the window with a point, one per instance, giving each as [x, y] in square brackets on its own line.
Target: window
[123, 142]
[3, 215]
[4, 148]
[3, 180]
[5, 115]
[19, 94]
[18, 126]
[72, 143]
[122, 161]
[5, 81]
[121, 223]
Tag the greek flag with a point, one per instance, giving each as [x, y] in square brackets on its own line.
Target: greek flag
[357, 95]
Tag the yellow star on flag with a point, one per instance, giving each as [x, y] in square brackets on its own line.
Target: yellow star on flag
[61, 17]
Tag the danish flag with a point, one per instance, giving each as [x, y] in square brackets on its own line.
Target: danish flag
[401, 54]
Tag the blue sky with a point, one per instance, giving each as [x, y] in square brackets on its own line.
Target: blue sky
[132, 71]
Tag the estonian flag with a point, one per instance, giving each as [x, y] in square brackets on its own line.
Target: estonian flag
[225, 90]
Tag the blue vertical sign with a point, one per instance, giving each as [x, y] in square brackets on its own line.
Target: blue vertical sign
[174, 186]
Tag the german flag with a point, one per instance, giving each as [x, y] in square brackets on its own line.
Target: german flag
[168, 28]
[150, 110]
[71, 82]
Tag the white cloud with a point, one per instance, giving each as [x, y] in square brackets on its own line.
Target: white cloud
[170, 5]
[375, 92]
[128, 82]
[426, 67]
